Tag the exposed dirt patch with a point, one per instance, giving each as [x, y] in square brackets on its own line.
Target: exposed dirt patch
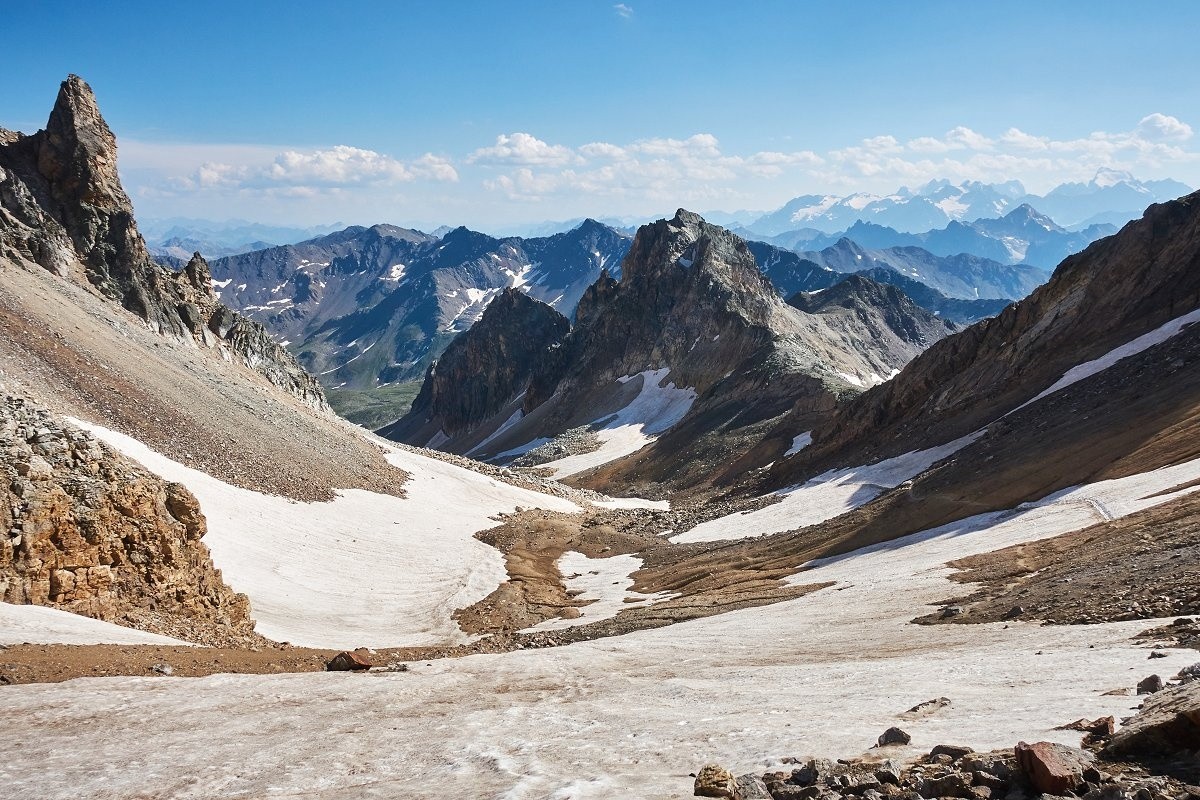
[1143, 566]
[534, 541]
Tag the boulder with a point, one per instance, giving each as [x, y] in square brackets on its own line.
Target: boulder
[716, 781]
[892, 736]
[1168, 722]
[752, 787]
[1052, 768]
[347, 661]
[1150, 685]
[954, 751]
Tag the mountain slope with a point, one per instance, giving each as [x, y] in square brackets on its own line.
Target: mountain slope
[64, 208]
[1087, 379]
[693, 344]
[960, 276]
[369, 307]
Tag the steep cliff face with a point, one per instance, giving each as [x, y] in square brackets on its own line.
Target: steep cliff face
[90, 532]
[62, 206]
[488, 366]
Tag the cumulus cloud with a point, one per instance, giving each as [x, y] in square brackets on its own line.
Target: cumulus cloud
[1162, 128]
[301, 173]
[657, 168]
[522, 148]
[623, 10]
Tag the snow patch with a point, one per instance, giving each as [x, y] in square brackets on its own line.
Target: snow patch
[41, 625]
[826, 496]
[1130, 348]
[653, 411]
[607, 582]
[364, 569]
[799, 442]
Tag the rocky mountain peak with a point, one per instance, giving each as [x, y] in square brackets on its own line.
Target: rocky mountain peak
[1026, 214]
[487, 366]
[77, 157]
[198, 273]
[62, 206]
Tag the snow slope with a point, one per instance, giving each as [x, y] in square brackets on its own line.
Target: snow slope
[42, 625]
[1130, 348]
[655, 409]
[365, 569]
[826, 496]
[630, 716]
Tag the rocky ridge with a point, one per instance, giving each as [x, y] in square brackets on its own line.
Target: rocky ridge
[690, 298]
[91, 532]
[63, 208]
[1116, 290]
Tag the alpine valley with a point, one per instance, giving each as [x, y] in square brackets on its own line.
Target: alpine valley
[868, 496]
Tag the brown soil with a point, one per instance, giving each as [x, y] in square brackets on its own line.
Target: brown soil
[86, 357]
[1146, 565]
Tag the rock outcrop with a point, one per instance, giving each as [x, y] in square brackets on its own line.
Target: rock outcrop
[1167, 724]
[62, 206]
[489, 365]
[88, 531]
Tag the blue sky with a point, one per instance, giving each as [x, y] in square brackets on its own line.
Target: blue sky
[491, 113]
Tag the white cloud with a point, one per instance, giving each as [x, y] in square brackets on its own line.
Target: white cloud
[1163, 128]
[522, 148]
[623, 10]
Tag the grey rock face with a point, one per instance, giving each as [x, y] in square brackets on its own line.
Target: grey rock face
[62, 206]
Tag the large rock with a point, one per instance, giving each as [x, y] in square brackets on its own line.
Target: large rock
[1052, 768]
[1168, 722]
[85, 530]
[716, 781]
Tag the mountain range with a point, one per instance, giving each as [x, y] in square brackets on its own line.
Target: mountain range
[878, 525]
[1111, 197]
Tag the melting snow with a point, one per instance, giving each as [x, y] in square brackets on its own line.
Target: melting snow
[628, 716]
[42, 625]
[364, 569]
[826, 496]
[608, 582]
[653, 411]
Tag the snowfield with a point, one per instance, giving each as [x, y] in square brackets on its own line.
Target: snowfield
[656, 409]
[42, 625]
[365, 570]
[826, 496]
[630, 716]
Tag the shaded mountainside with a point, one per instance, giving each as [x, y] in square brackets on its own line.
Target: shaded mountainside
[960, 276]
[491, 363]
[692, 308]
[367, 307]
[1091, 377]
[64, 208]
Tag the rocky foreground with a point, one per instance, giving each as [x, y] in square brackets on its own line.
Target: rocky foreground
[1154, 756]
